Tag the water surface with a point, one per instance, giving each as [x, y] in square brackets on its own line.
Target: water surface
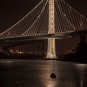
[36, 73]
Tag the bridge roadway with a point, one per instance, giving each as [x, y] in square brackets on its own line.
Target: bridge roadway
[20, 40]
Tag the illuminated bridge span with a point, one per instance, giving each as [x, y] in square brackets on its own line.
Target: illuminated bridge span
[49, 19]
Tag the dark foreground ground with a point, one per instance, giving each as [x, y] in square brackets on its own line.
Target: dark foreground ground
[36, 73]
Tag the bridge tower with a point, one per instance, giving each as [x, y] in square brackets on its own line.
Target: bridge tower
[51, 52]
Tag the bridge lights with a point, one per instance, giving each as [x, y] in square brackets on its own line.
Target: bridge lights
[51, 53]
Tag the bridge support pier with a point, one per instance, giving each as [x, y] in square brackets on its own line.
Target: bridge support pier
[51, 53]
[51, 49]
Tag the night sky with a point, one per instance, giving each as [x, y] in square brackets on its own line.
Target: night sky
[12, 11]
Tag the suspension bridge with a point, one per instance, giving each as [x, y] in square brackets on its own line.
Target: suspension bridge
[50, 19]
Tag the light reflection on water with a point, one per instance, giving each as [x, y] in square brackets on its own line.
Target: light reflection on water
[36, 73]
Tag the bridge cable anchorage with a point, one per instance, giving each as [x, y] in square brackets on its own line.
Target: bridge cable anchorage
[30, 31]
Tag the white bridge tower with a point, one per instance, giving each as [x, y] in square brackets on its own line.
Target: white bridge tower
[51, 52]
